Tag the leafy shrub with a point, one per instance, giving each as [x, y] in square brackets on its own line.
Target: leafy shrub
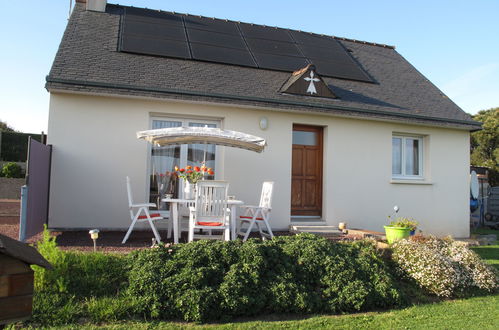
[81, 274]
[444, 267]
[12, 170]
[297, 274]
[78, 285]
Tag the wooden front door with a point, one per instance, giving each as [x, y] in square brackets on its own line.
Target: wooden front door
[306, 184]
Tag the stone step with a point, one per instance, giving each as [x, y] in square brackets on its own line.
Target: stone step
[328, 230]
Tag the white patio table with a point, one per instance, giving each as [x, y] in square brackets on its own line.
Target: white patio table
[233, 204]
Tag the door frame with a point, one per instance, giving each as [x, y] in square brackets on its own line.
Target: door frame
[320, 144]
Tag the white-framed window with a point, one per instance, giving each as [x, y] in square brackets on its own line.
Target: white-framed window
[407, 157]
[162, 160]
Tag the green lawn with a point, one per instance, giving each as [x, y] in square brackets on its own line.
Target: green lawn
[473, 313]
[488, 252]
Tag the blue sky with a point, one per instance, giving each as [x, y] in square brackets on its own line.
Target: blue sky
[454, 43]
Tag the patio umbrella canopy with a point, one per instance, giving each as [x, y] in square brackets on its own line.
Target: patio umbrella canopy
[206, 135]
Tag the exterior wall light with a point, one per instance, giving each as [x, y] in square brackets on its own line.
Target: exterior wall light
[264, 123]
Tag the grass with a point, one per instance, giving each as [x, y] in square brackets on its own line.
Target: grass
[473, 313]
[489, 253]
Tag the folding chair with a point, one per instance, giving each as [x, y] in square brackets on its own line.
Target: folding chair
[210, 211]
[140, 213]
[259, 215]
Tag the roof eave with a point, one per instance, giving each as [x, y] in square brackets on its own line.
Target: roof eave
[473, 125]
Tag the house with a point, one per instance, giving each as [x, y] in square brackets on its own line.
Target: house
[352, 128]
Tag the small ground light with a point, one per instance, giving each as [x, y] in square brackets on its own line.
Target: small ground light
[94, 234]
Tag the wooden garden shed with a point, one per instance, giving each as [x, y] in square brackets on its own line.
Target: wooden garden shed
[16, 279]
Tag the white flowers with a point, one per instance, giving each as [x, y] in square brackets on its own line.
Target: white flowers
[442, 266]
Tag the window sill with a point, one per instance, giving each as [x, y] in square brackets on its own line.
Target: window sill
[410, 181]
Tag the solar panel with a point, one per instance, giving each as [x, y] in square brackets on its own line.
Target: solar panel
[152, 30]
[305, 38]
[278, 62]
[153, 16]
[341, 69]
[221, 55]
[273, 47]
[150, 46]
[264, 32]
[211, 24]
[216, 39]
[154, 33]
[183, 36]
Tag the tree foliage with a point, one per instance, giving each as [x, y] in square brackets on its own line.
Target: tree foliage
[4, 127]
[485, 143]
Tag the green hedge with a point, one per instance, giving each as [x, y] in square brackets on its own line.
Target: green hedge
[210, 280]
[299, 274]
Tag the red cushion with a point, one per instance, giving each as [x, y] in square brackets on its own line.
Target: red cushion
[247, 217]
[153, 215]
[202, 223]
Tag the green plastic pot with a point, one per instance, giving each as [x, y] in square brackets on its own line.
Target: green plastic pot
[395, 233]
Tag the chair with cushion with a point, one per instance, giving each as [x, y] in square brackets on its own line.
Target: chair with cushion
[209, 212]
[140, 213]
[259, 215]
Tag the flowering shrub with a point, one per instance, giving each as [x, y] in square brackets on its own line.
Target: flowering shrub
[444, 267]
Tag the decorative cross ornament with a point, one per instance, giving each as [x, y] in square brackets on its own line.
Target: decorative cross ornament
[311, 87]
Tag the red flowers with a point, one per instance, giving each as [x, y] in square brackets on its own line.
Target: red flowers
[193, 174]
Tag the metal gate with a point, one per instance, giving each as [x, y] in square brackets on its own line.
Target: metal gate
[35, 195]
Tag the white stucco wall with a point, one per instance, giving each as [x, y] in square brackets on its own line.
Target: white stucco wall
[95, 147]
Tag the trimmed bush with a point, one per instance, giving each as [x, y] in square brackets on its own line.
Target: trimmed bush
[444, 267]
[12, 170]
[209, 280]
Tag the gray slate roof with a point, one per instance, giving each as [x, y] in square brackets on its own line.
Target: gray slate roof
[88, 61]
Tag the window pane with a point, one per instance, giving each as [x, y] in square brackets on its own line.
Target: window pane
[163, 160]
[196, 153]
[396, 156]
[305, 138]
[411, 156]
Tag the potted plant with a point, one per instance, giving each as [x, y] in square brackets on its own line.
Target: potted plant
[400, 228]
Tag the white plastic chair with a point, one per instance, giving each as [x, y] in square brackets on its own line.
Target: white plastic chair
[259, 215]
[140, 213]
[210, 211]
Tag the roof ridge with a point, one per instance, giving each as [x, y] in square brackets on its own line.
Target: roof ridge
[263, 25]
